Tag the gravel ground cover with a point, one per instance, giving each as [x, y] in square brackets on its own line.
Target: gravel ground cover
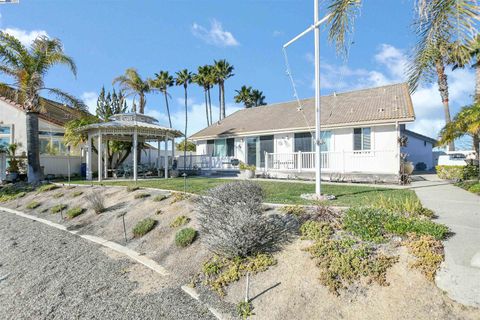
[49, 274]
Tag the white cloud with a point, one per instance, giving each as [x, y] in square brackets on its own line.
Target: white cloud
[216, 35]
[90, 99]
[391, 63]
[25, 37]
[278, 33]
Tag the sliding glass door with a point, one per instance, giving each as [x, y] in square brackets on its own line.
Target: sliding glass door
[256, 148]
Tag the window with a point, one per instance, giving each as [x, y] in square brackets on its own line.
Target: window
[5, 135]
[304, 141]
[266, 145]
[52, 147]
[230, 147]
[210, 147]
[361, 139]
[220, 149]
[5, 129]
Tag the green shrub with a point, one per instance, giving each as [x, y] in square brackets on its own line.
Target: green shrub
[295, 210]
[220, 272]
[73, 212]
[47, 187]
[244, 166]
[470, 172]
[143, 227]
[400, 225]
[475, 188]
[58, 195]
[185, 237]
[179, 221]
[159, 197]
[457, 172]
[13, 192]
[33, 205]
[58, 208]
[132, 188]
[344, 261]
[141, 195]
[314, 230]
[429, 253]
[245, 309]
[365, 222]
[77, 194]
[373, 224]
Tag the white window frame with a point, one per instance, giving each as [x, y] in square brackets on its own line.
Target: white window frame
[362, 148]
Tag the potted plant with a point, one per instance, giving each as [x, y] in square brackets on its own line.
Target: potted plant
[14, 163]
[247, 171]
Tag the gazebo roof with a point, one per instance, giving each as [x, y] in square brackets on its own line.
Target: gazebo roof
[126, 123]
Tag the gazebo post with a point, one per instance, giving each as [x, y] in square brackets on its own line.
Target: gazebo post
[100, 164]
[158, 157]
[135, 164]
[166, 158]
[173, 151]
[89, 158]
[105, 160]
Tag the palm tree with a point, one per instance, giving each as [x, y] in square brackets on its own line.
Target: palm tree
[27, 66]
[211, 80]
[162, 81]
[184, 78]
[466, 122]
[200, 78]
[131, 84]
[431, 63]
[223, 70]
[258, 98]
[244, 95]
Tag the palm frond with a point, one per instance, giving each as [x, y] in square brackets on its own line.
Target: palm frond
[341, 20]
[68, 99]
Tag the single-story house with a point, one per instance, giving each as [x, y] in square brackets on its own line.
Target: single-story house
[359, 138]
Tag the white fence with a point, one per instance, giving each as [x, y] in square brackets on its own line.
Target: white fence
[204, 162]
[372, 161]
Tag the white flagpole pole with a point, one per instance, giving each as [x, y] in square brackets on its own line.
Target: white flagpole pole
[318, 169]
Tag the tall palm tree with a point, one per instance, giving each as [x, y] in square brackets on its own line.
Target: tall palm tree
[132, 84]
[184, 78]
[223, 70]
[162, 81]
[258, 98]
[27, 66]
[211, 80]
[200, 78]
[244, 95]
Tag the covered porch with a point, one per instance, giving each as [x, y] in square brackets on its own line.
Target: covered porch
[129, 127]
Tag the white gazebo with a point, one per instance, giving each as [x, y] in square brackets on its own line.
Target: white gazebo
[133, 127]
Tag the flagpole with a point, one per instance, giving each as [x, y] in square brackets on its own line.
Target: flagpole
[318, 169]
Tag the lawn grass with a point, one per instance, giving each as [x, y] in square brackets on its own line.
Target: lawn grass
[277, 191]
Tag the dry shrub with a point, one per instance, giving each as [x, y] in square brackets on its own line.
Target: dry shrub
[96, 201]
[429, 254]
[233, 222]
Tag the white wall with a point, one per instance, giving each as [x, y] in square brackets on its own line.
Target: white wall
[240, 149]
[419, 151]
[10, 115]
[283, 143]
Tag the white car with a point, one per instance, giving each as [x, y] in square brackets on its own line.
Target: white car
[452, 159]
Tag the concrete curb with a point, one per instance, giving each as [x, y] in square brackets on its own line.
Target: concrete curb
[147, 262]
[194, 294]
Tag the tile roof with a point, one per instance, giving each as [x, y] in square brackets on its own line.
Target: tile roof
[385, 104]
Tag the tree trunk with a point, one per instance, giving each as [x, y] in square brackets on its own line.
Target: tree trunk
[141, 103]
[443, 89]
[168, 109]
[219, 101]
[34, 172]
[206, 107]
[223, 101]
[210, 105]
[186, 127]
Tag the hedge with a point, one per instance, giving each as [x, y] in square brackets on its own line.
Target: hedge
[457, 172]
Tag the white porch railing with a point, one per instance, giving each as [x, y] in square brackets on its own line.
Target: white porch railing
[372, 161]
[204, 162]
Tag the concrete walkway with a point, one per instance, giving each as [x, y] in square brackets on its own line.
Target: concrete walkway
[459, 275]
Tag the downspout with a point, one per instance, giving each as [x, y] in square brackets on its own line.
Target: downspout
[399, 152]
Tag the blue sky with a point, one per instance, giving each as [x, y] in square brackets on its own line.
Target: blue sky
[106, 37]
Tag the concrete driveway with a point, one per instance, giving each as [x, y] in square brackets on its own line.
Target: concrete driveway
[460, 211]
